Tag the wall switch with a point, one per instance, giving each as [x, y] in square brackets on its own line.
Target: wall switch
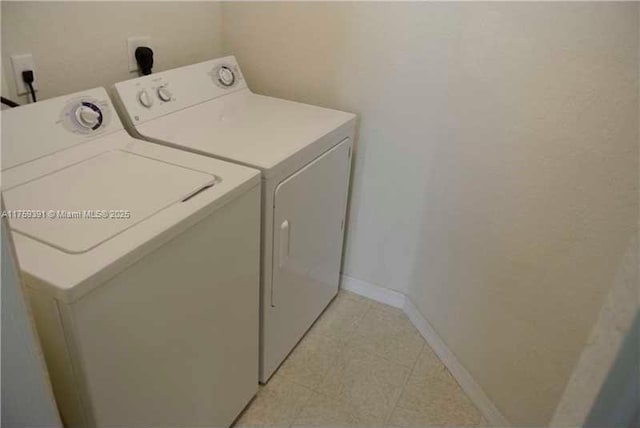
[21, 63]
[132, 44]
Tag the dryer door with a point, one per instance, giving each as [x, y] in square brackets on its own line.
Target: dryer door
[308, 232]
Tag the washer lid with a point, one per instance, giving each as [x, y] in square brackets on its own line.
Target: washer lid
[112, 180]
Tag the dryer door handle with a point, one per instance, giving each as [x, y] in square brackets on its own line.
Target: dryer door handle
[283, 250]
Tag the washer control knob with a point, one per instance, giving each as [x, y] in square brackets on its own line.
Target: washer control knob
[164, 94]
[88, 116]
[145, 99]
[226, 76]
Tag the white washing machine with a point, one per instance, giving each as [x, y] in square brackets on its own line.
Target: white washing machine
[304, 153]
[141, 263]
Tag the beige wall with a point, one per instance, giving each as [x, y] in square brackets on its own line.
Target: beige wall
[496, 174]
[80, 45]
[496, 178]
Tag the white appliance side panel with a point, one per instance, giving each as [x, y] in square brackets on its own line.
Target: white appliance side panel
[64, 379]
[173, 340]
[308, 231]
[27, 397]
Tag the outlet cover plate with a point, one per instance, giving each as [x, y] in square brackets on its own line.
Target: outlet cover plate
[21, 63]
[132, 44]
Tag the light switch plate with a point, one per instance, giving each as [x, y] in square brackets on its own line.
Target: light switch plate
[21, 63]
[132, 44]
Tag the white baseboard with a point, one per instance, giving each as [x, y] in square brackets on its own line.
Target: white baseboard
[464, 378]
[373, 292]
[448, 358]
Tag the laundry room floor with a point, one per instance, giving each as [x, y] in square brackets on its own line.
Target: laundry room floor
[361, 364]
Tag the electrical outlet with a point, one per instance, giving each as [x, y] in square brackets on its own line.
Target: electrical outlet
[21, 63]
[132, 44]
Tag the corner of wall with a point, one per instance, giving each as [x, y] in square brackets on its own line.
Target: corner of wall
[463, 377]
[606, 347]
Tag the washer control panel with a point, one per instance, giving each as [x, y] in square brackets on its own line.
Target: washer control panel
[148, 97]
[86, 115]
[48, 126]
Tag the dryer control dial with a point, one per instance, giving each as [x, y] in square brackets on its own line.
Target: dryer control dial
[164, 94]
[224, 76]
[145, 99]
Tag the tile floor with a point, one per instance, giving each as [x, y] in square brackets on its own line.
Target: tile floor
[361, 364]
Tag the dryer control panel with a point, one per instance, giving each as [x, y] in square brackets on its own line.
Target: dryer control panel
[148, 97]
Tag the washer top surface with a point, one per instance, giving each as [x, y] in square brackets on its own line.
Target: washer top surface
[102, 199]
[230, 123]
[109, 193]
